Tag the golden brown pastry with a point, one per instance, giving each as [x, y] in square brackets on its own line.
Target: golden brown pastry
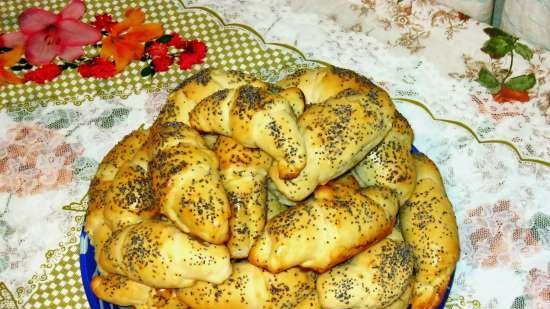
[96, 227]
[320, 84]
[332, 226]
[373, 279]
[129, 200]
[310, 302]
[163, 299]
[250, 287]
[403, 301]
[243, 171]
[338, 133]
[186, 183]
[429, 225]
[391, 164]
[120, 290]
[158, 254]
[255, 117]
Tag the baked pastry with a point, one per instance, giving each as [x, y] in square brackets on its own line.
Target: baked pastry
[96, 227]
[129, 199]
[158, 254]
[256, 118]
[429, 225]
[274, 206]
[403, 301]
[332, 226]
[374, 278]
[186, 183]
[311, 301]
[338, 133]
[320, 84]
[243, 172]
[391, 164]
[250, 287]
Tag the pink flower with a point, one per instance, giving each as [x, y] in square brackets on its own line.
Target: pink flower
[47, 35]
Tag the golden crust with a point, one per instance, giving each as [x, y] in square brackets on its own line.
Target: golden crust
[120, 290]
[391, 164]
[250, 287]
[243, 171]
[335, 224]
[429, 225]
[158, 254]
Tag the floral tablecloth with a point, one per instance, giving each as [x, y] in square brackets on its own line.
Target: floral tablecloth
[495, 157]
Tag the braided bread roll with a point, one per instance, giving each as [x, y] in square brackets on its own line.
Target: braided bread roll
[158, 254]
[332, 226]
[374, 278]
[429, 225]
[391, 164]
[250, 287]
[186, 183]
[243, 172]
[256, 118]
[320, 84]
[97, 227]
[338, 133]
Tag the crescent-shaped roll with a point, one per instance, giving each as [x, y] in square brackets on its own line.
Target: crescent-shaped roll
[256, 118]
[335, 224]
[310, 302]
[372, 279]
[250, 287]
[130, 200]
[96, 226]
[391, 164]
[338, 133]
[186, 183]
[158, 254]
[403, 301]
[428, 224]
[320, 84]
[243, 171]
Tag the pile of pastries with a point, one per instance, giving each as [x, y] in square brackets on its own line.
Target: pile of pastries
[247, 194]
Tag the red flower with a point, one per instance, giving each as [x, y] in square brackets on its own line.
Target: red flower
[506, 95]
[99, 68]
[43, 74]
[194, 53]
[103, 22]
[157, 50]
[177, 41]
[162, 64]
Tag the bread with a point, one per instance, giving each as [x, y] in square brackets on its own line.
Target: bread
[373, 279]
[120, 290]
[320, 84]
[186, 183]
[311, 301]
[332, 226]
[96, 227]
[250, 287]
[429, 225]
[338, 133]
[158, 254]
[129, 199]
[255, 117]
[403, 301]
[274, 206]
[243, 172]
[391, 164]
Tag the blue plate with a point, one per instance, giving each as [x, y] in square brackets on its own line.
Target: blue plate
[88, 269]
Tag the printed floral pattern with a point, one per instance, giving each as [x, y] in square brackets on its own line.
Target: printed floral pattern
[537, 288]
[35, 159]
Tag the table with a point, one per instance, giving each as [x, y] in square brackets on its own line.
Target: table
[494, 157]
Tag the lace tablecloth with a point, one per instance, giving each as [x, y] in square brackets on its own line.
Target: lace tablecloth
[494, 157]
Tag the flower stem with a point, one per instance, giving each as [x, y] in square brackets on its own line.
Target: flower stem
[510, 68]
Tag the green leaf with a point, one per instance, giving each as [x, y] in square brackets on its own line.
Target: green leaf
[488, 80]
[165, 38]
[521, 82]
[524, 51]
[148, 70]
[109, 119]
[497, 47]
[493, 32]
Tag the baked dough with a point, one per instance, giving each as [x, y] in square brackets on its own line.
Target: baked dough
[429, 225]
[332, 226]
[158, 254]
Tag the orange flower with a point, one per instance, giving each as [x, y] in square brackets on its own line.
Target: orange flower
[125, 41]
[7, 60]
